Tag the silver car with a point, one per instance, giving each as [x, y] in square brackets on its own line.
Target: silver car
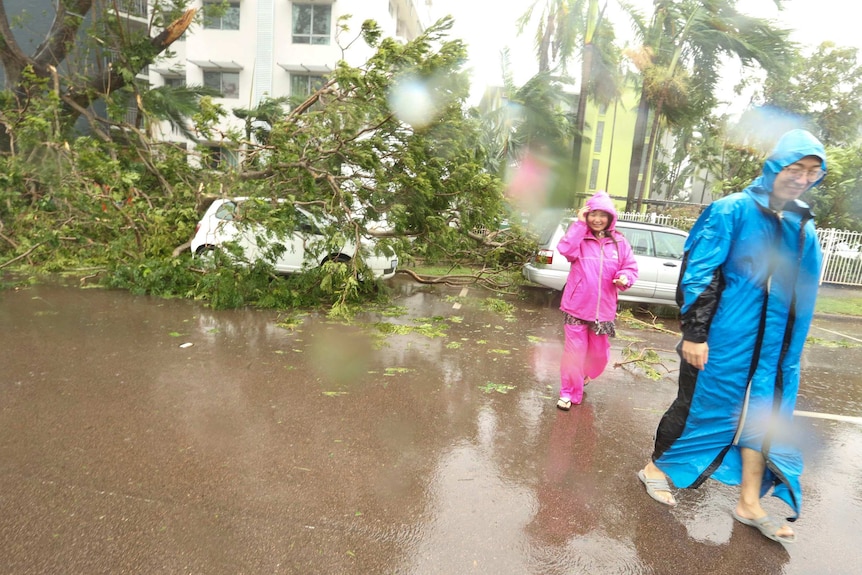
[657, 249]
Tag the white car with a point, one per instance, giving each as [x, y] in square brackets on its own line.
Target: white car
[303, 249]
[847, 250]
[657, 249]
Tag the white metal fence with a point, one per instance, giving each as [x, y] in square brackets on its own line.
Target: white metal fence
[654, 218]
[842, 249]
[842, 256]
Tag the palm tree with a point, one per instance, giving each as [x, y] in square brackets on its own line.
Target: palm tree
[527, 129]
[561, 23]
[260, 119]
[566, 25]
[600, 71]
[524, 118]
[680, 63]
[173, 104]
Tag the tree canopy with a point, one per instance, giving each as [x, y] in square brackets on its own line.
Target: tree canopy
[823, 89]
[117, 206]
[123, 205]
[101, 35]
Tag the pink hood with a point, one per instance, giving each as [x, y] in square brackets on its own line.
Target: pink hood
[602, 201]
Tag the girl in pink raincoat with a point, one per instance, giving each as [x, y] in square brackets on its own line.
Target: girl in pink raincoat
[602, 264]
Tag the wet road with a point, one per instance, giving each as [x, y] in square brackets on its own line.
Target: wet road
[422, 439]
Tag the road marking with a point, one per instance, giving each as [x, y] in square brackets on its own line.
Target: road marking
[833, 417]
[838, 333]
[463, 293]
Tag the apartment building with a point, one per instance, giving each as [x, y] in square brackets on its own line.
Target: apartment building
[254, 49]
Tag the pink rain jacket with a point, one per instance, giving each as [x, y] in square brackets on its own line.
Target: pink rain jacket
[590, 293]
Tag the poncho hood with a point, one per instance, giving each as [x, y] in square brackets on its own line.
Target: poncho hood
[602, 201]
[792, 147]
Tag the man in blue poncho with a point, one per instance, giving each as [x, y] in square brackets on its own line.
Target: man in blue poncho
[746, 294]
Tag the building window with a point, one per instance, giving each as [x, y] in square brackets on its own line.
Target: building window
[133, 7]
[600, 132]
[217, 16]
[305, 84]
[311, 23]
[218, 157]
[594, 174]
[227, 83]
[175, 81]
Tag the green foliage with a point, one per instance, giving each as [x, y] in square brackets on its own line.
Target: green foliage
[497, 305]
[491, 387]
[153, 277]
[207, 117]
[30, 117]
[174, 104]
[837, 201]
[431, 328]
[118, 205]
[740, 165]
[848, 305]
[685, 46]
[824, 89]
[260, 119]
[645, 359]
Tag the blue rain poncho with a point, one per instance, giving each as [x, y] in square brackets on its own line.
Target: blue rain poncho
[748, 288]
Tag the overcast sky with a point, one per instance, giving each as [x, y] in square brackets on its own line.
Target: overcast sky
[488, 26]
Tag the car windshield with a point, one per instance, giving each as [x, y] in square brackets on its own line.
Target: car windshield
[298, 219]
[226, 211]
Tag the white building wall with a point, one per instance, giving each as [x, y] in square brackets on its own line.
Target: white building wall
[263, 52]
[263, 59]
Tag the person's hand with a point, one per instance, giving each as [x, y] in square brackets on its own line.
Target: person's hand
[582, 214]
[696, 354]
[621, 281]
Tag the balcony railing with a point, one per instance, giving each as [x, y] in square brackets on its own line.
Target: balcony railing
[136, 8]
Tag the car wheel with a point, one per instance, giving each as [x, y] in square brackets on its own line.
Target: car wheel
[206, 255]
[344, 259]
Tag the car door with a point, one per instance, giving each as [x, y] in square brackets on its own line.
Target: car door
[668, 262]
[305, 237]
[225, 226]
[286, 251]
[641, 242]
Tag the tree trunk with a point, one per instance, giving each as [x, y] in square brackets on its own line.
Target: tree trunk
[637, 151]
[578, 137]
[110, 80]
[545, 46]
[56, 46]
[594, 18]
[53, 50]
[650, 152]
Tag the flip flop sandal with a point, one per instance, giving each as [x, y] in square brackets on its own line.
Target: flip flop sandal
[564, 404]
[654, 485]
[768, 527]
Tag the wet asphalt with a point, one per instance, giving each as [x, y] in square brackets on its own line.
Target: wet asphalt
[149, 436]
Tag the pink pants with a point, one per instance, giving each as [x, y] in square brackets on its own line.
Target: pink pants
[584, 354]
